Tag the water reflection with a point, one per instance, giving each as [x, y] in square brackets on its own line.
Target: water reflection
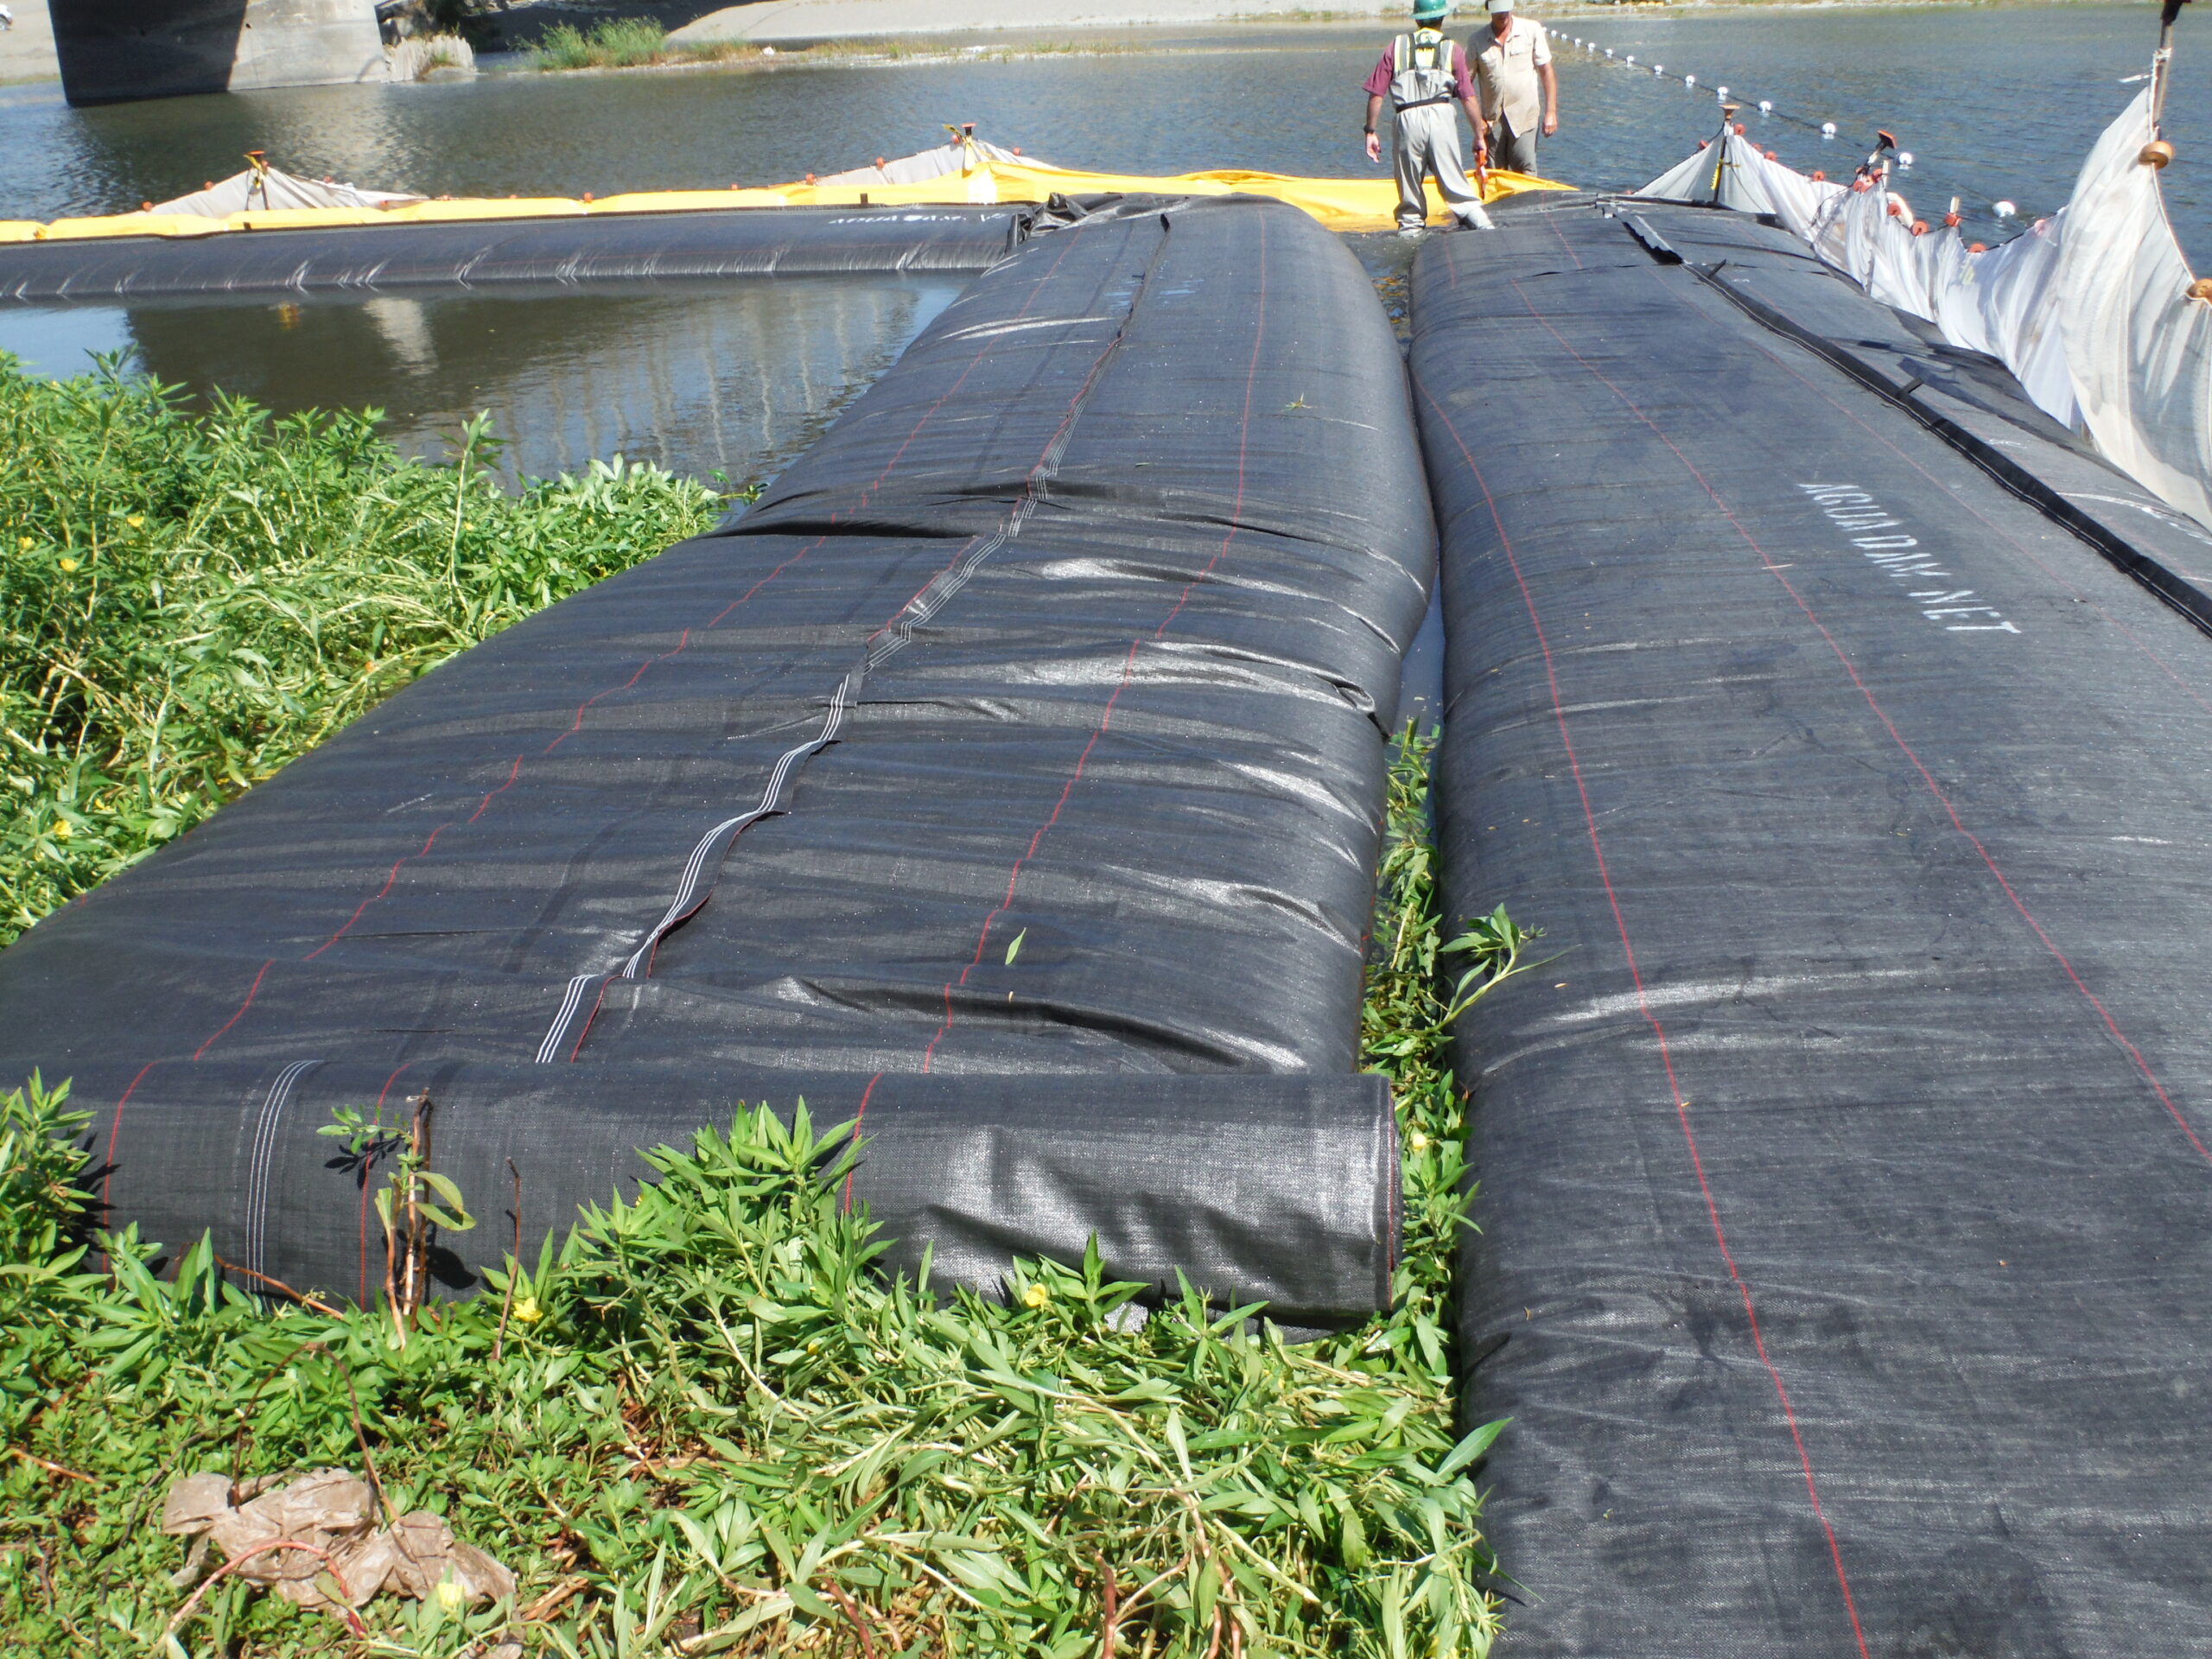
[703, 379]
[61, 340]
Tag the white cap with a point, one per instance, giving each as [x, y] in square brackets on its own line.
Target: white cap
[1498, 7]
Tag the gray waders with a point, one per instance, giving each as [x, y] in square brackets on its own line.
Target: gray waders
[1425, 133]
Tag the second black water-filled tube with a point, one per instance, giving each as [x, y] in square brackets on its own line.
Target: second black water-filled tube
[1844, 1170]
[1020, 752]
[487, 253]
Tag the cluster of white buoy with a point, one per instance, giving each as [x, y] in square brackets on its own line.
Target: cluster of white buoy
[2002, 210]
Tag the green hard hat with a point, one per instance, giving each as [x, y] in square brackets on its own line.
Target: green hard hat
[1431, 11]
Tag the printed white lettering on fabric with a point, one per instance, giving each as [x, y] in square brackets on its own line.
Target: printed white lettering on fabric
[1859, 516]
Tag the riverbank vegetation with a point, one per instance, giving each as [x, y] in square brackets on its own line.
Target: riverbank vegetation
[612, 43]
[643, 43]
[188, 600]
[705, 1426]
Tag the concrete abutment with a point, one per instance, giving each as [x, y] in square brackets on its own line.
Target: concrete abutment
[112, 51]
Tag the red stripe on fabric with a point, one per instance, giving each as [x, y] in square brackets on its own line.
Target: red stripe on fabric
[682, 640]
[115, 1126]
[1128, 665]
[859, 1118]
[578, 1047]
[716, 621]
[115, 1137]
[391, 876]
[1014, 875]
[1897, 737]
[513, 772]
[929, 1054]
[1659, 1031]
[252, 991]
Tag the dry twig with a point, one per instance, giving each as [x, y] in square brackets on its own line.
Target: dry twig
[545, 1607]
[310, 1303]
[51, 1467]
[856, 1619]
[352, 1619]
[1110, 1624]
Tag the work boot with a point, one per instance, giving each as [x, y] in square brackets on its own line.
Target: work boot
[1474, 218]
[1410, 230]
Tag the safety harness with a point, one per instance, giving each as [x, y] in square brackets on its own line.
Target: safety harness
[1405, 54]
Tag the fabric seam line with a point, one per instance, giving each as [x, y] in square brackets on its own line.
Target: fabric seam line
[925, 604]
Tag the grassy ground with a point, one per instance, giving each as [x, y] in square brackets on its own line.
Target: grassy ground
[705, 1426]
[188, 601]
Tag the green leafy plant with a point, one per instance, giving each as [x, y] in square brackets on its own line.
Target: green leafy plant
[189, 601]
[412, 1199]
[1405, 1030]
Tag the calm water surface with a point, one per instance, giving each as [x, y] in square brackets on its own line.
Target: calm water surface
[732, 380]
[1995, 103]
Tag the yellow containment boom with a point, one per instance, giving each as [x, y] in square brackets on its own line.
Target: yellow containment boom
[975, 172]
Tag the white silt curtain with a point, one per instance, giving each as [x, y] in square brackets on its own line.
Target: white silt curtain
[271, 188]
[928, 164]
[2138, 347]
[2089, 309]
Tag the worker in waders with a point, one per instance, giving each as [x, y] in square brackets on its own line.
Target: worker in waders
[1423, 75]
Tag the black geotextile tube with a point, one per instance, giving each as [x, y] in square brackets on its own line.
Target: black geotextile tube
[1843, 1171]
[1165, 1172]
[482, 253]
[1029, 734]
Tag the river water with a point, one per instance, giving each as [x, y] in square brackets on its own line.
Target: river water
[1995, 102]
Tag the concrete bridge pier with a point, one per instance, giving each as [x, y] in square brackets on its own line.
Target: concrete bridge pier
[112, 51]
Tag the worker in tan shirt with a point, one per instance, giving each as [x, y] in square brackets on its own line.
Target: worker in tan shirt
[1520, 89]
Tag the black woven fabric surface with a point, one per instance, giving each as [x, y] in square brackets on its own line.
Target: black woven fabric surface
[600, 248]
[1166, 1172]
[1844, 1170]
[1029, 733]
[1972, 394]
